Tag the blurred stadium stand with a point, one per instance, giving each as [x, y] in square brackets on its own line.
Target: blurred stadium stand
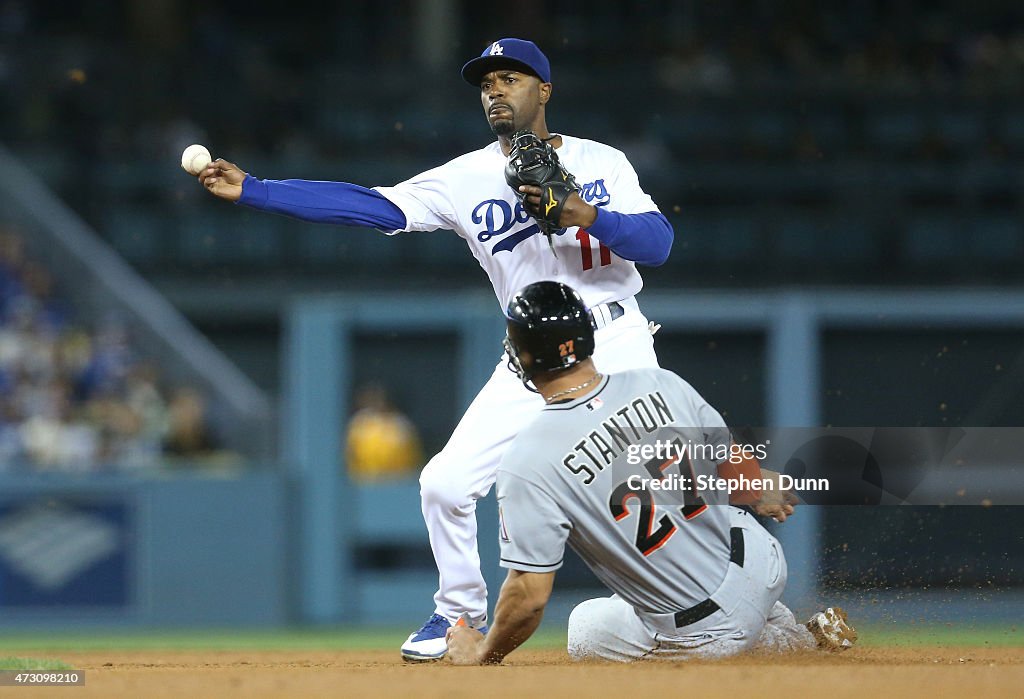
[101, 291]
[738, 117]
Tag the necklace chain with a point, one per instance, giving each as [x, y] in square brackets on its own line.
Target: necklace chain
[592, 379]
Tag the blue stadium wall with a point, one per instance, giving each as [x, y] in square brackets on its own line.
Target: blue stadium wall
[121, 551]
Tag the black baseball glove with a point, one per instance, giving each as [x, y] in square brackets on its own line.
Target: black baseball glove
[532, 161]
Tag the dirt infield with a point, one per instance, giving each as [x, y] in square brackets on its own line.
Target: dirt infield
[861, 672]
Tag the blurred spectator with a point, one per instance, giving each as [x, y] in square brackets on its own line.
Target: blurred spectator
[72, 399]
[382, 443]
[187, 431]
[53, 439]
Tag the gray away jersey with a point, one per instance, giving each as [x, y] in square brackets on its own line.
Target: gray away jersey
[567, 477]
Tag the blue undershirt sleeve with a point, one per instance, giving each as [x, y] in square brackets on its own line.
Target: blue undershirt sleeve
[643, 238]
[323, 202]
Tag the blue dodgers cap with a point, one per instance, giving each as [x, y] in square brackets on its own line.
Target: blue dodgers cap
[519, 54]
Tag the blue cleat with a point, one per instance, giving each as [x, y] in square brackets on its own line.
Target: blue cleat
[429, 643]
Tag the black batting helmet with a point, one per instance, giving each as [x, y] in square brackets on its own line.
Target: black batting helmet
[549, 329]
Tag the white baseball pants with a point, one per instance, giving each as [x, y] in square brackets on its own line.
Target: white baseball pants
[751, 616]
[464, 470]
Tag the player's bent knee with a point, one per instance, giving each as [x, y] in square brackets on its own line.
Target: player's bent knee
[440, 487]
[583, 631]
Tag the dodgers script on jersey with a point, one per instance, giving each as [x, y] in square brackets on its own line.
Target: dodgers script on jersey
[565, 479]
[470, 196]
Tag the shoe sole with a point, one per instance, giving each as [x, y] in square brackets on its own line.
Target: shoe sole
[826, 643]
[851, 633]
[414, 657]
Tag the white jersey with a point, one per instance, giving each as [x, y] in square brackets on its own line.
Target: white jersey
[470, 196]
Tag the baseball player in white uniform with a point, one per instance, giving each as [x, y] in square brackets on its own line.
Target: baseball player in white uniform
[607, 226]
[692, 575]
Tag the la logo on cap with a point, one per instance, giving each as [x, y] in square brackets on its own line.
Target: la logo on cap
[496, 49]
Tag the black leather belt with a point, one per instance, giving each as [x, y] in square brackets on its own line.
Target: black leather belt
[708, 607]
[615, 310]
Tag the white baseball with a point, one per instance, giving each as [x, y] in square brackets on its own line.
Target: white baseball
[195, 158]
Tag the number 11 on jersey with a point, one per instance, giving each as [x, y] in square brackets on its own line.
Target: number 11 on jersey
[588, 255]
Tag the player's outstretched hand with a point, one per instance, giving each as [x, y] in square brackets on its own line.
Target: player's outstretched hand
[464, 645]
[775, 503]
[222, 179]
